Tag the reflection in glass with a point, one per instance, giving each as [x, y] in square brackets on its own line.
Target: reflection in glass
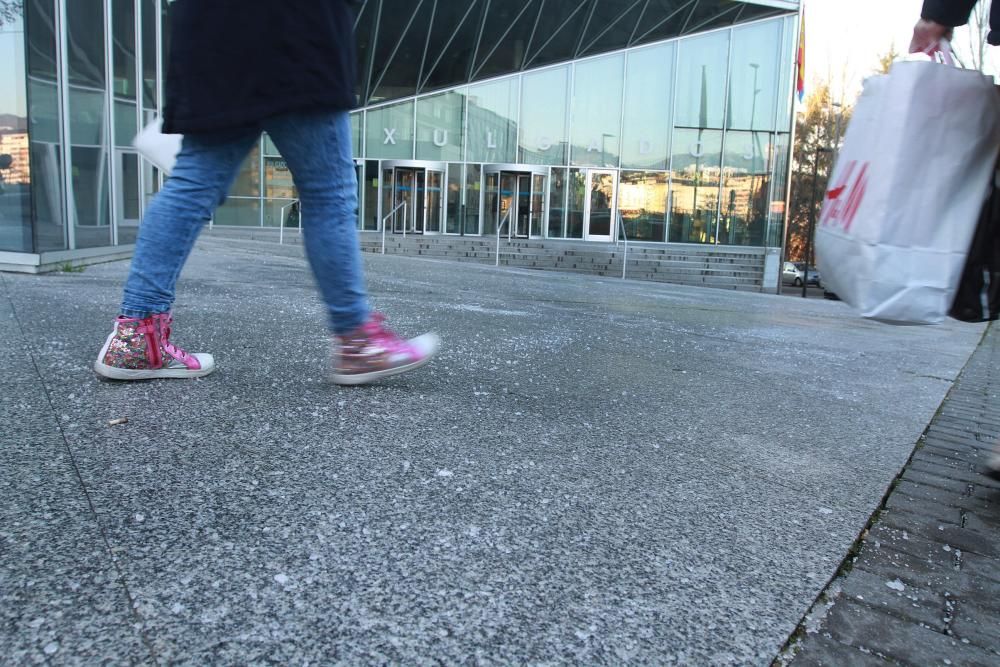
[439, 126]
[435, 201]
[389, 133]
[247, 183]
[648, 107]
[149, 47]
[778, 208]
[576, 200]
[356, 134]
[493, 121]
[746, 179]
[701, 81]
[596, 125]
[694, 192]
[543, 117]
[754, 79]
[123, 40]
[557, 203]
[129, 198]
[90, 144]
[602, 203]
[15, 169]
[453, 223]
[473, 193]
[492, 203]
[240, 212]
[642, 202]
[538, 218]
[280, 193]
[371, 221]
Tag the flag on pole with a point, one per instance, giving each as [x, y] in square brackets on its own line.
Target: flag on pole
[800, 85]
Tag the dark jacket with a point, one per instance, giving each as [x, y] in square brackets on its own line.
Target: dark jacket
[233, 63]
[954, 13]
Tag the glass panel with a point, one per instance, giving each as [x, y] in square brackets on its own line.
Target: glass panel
[648, 107]
[612, 25]
[371, 196]
[642, 202]
[269, 147]
[15, 169]
[46, 152]
[701, 81]
[786, 74]
[522, 217]
[745, 188]
[473, 193]
[89, 140]
[239, 212]
[149, 48]
[282, 211]
[543, 117]
[123, 36]
[356, 134]
[754, 79]
[388, 204]
[493, 121]
[278, 181]
[537, 204]
[505, 38]
[434, 201]
[126, 123]
[247, 183]
[439, 126]
[694, 191]
[453, 225]
[390, 132]
[662, 19]
[602, 198]
[399, 50]
[708, 15]
[576, 201]
[597, 93]
[778, 206]
[557, 204]
[558, 34]
[491, 217]
[419, 201]
[130, 200]
[508, 202]
[452, 38]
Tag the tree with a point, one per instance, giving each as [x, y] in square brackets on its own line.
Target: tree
[10, 10]
[816, 128]
[886, 60]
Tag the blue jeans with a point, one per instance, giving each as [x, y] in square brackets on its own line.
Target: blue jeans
[317, 148]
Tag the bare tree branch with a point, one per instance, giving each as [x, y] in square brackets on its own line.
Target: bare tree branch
[10, 11]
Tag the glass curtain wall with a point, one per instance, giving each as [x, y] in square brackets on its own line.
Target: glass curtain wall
[15, 167]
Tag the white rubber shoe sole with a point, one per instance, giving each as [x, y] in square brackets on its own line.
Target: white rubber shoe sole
[114, 373]
[428, 345]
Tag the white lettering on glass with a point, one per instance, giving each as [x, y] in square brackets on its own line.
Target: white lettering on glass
[491, 140]
[440, 138]
[594, 146]
[544, 143]
[645, 147]
[696, 149]
[390, 136]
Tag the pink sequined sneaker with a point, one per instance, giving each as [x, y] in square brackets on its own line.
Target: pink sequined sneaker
[140, 349]
[372, 352]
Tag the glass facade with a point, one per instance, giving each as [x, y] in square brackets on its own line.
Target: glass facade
[667, 119]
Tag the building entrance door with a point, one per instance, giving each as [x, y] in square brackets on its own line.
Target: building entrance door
[419, 188]
[515, 200]
[600, 205]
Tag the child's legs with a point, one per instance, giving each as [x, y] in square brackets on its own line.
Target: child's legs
[205, 169]
[317, 148]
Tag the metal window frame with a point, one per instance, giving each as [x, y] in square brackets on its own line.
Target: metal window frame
[109, 128]
[65, 136]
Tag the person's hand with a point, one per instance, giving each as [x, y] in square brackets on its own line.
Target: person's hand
[927, 34]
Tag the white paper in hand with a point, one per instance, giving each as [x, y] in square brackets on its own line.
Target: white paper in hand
[160, 149]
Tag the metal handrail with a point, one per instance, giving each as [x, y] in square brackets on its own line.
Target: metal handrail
[621, 232]
[281, 221]
[400, 205]
[504, 220]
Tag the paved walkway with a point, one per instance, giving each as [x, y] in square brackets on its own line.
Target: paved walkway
[593, 471]
[924, 588]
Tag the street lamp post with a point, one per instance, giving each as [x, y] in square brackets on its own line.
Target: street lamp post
[812, 220]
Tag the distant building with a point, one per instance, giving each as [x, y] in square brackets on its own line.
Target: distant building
[561, 118]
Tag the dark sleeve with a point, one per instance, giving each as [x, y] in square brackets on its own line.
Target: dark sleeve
[952, 13]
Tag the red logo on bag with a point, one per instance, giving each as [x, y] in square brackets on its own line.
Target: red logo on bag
[839, 209]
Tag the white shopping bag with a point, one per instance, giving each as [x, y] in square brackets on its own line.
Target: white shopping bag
[907, 191]
[160, 149]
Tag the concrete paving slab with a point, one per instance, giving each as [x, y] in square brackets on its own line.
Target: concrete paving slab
[593, 470]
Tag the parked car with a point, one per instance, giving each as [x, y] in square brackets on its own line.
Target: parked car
[813, 277]
[791, 274]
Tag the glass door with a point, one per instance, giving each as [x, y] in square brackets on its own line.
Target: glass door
[435, 201]
[409, 187]
[538, 185]
[522, 212]
[600, 205]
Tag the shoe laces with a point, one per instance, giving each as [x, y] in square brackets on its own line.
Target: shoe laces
[165, 321]
[378, 334]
